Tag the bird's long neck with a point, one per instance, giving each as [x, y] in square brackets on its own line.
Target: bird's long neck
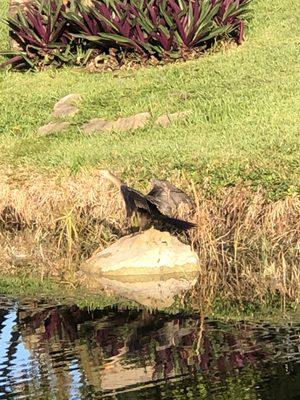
[113, 179]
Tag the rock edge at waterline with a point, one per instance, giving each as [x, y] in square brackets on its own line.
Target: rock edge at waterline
[148, 253]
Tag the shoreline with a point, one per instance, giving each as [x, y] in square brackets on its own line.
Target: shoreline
[248, 246]
[51, 291]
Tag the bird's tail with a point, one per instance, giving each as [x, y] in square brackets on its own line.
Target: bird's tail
[178, 223]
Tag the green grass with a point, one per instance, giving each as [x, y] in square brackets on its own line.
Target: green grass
[3, 27]
[51, 290]
[244, 125]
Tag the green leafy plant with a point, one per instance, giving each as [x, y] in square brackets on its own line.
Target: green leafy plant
[49, 32]
[40, 32]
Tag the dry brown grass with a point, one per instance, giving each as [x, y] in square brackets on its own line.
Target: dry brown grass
[248, 247]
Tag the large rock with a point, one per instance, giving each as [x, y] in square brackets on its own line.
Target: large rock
[149, 253]
[151, 268]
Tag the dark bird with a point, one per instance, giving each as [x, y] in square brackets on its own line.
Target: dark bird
[158, 205]
[170, 198]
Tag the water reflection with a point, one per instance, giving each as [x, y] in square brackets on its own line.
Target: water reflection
[64, 352]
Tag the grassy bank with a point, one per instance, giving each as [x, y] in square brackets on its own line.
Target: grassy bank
[243, 126]
[248, 246]
[22, 286]
[238, 154]
[53, 292]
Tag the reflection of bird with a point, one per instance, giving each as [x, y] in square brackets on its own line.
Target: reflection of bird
[158, 205]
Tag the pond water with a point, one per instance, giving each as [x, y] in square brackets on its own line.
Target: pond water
[63, 352]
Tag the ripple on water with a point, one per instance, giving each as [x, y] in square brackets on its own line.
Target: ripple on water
[59, 351]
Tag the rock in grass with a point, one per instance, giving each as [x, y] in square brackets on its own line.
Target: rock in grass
[131, 123]
[65, 110]
[151, 268]
[98, 125]
[20, 259]
[166, 119]
[53, 127]
[66, 107]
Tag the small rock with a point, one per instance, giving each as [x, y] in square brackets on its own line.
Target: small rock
[65, 110]
[131, 123]
[97, 125]
[66, 107]
[53, 127]
[72, 98]
[20, 259]
[166, 119]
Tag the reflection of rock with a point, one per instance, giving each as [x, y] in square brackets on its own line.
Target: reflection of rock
[119, 349]
[120, 376]
[154, 293]
[151, 268]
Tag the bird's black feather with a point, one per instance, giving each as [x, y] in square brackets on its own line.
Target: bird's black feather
[135, 201]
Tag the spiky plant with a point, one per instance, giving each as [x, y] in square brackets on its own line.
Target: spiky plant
[50, 32]
[40, 31]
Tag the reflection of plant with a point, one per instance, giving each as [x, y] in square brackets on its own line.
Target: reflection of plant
[229, 351]
[48, 32]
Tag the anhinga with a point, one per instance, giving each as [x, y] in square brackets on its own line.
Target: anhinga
[158, 205]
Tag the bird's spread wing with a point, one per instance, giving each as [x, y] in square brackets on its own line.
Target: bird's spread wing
[170, 192]
[178, 223]
[157, 197]
[156, 190]
[160, 197]
[133, 200]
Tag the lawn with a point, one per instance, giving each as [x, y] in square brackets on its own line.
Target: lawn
[243, 126]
